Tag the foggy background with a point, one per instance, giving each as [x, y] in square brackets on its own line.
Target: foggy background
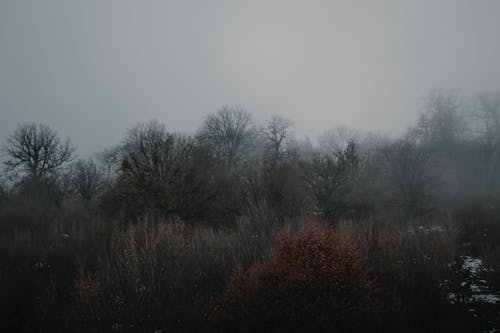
[91, 69]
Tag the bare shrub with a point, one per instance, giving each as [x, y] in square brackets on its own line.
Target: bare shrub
[410, 261]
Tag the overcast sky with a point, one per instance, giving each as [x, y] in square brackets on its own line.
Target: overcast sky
[93, 68]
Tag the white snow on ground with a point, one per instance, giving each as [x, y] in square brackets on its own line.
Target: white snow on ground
[478, 290]
[473, 265]
[492, 299]
[426, 229]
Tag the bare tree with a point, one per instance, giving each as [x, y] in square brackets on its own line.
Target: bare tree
[227, 134]
[441, 125]
[331, 179]
[411, 180]
[337, 139]
[151, 154]
[86, 179]
[158, 174]
[36, 150]
[276, 133]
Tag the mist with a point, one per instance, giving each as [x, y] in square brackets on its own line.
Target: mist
[93, 68]
[259, 166]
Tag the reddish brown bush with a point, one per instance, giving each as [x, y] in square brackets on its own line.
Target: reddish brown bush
[87, 308]
[314, 282]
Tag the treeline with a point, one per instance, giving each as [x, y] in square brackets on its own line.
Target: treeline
[232, 166]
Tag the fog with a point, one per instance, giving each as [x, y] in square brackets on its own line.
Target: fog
[257, 166]
[91, 69]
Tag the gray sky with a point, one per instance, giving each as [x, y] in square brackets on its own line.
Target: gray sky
[93, 68]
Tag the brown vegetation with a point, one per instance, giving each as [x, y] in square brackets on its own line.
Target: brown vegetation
[315, 282]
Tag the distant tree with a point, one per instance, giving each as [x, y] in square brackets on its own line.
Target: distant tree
[441, 125]
[337, 139]
[276, 132]
[411, 179]
[275, 192]
[150, 154]
[36, 150]
[159, 174]
[86, 179]
[227, 134]
[330, 178]
[488, 113]
[152, 164]
[110, 160]
[3, 189]
[276, 186]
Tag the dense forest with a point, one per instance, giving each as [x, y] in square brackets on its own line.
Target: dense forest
[243, 227]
